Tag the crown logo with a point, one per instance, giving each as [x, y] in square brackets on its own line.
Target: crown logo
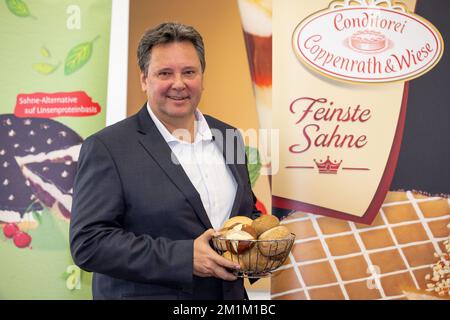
[327, 166]
[398, 6]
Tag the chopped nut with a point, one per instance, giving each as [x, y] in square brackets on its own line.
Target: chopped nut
[439, 280]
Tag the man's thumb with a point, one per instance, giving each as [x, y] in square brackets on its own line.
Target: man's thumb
[208, 234]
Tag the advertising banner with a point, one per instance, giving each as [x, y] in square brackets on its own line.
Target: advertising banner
[360, 95]
[347, 103]
[54, 66]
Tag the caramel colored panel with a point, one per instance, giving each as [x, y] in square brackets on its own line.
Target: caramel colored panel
[331, 226]
[292, 296]
[374, 239]
[328, 293]
[419, 255]
[286, 262]
[442, 245]
[378, 221]
[317, 273]
[307, 251]
[388, 261]
[295, 215]
[400, 213]
[419, 196]
[410, 233]
[361, 291]
[395, 196]
[437, 208]
[420, 274]
[302, 229]
[393, 284]
[342, 245]
[352, 268]
[284, 280]
[439, 228]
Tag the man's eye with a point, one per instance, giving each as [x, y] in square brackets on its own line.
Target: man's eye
[190, 72]
[164, 74]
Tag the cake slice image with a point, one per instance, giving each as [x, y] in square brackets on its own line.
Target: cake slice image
[32, 151]
[16, 197]
[51, 178]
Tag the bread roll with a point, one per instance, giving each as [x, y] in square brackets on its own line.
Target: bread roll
[268, 247]
[237, 219]
[264, 223]
[239, 238]
[252, 260]
[233, 257]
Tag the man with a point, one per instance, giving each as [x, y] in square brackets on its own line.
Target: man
[146, 201]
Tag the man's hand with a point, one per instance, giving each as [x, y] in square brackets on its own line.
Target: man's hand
[207, 263]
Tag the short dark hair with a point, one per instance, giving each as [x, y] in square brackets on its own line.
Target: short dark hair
[168, 32]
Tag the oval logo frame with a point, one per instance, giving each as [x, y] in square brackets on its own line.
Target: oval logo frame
[367, 44]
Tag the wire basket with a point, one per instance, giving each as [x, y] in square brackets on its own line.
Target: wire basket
[257, 258]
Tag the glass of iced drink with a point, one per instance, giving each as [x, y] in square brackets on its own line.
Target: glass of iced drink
[256, 18]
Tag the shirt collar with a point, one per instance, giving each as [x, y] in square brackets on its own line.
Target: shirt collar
[202, 129]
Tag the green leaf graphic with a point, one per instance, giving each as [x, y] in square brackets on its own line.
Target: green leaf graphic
[45, 52]
[18, 7]
[78, 57]
[44, 68]
[37, 217]
[253, 164]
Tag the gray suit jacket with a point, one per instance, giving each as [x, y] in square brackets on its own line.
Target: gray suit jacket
[135, 215]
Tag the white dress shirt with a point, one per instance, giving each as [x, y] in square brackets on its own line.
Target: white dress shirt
[205, 166]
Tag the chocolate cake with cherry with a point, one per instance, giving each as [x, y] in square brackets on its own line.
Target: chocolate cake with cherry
[38, 158]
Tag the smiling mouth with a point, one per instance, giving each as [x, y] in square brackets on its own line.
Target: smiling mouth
[178, 98]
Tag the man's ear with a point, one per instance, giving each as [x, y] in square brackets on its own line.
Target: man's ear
[143, 79]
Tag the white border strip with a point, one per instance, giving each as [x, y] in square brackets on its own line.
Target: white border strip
[118, 63]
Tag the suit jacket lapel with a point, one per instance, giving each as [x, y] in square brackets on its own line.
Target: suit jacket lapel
[158, 149]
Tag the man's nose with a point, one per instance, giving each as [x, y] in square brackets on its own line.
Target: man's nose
[178, 82]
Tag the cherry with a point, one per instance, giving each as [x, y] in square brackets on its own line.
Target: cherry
[260, 206]
[22, 239]
[10, 229]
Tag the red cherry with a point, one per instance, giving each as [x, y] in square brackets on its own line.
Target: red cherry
[260, 206]
[22, 239]
[10, 229]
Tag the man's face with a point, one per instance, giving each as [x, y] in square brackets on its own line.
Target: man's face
[174, 82]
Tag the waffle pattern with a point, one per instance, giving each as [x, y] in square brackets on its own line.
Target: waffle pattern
[336, 259]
